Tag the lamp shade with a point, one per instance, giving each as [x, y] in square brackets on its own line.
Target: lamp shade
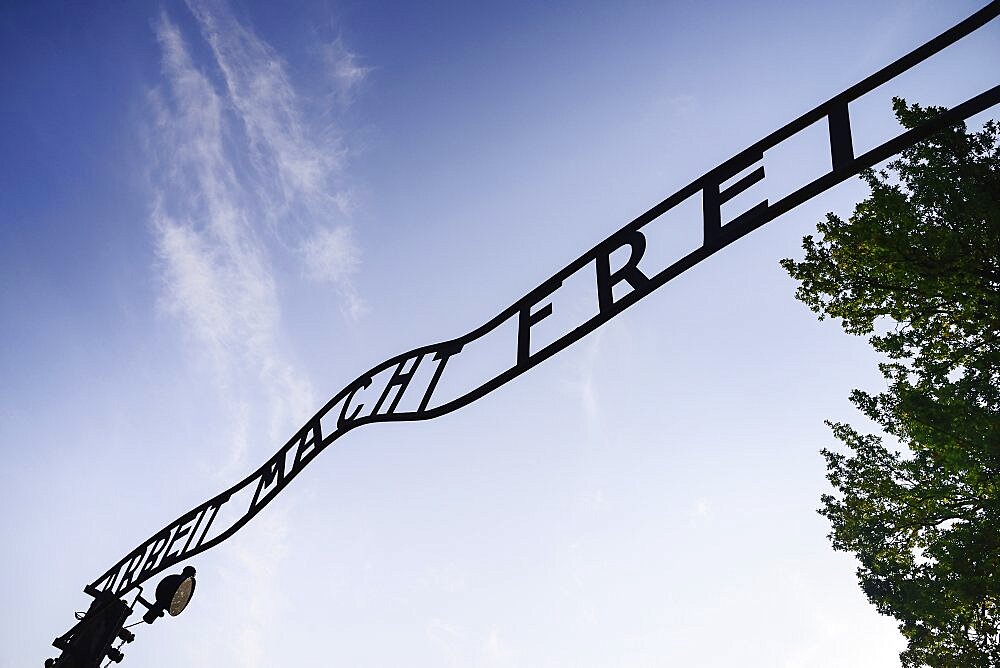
[172, 595]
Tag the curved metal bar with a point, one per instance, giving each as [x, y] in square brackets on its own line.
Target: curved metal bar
[191, 533]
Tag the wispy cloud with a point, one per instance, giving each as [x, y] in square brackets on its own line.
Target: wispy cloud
[245, 181]
[582, 381]
[495, 651]
[332, 255]
[240, 181]
[344, 70]
[259, 89]
[215, 270]
[700, 509]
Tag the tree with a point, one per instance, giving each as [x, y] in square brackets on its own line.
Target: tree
[916, 269]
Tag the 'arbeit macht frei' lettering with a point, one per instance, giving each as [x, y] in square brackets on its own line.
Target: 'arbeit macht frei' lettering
[375, 396]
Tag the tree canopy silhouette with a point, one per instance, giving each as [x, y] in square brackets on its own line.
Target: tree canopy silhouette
[916, 269]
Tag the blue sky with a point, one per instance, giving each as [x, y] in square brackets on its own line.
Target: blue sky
[215, 216]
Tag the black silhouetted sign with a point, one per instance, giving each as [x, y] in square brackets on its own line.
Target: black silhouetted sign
[376, 394]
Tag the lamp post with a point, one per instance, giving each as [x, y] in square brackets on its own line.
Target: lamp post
[91, 640]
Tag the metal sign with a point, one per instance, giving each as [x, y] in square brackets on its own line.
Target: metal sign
[375, 395]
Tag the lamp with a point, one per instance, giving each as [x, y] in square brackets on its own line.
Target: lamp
[172, 595]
